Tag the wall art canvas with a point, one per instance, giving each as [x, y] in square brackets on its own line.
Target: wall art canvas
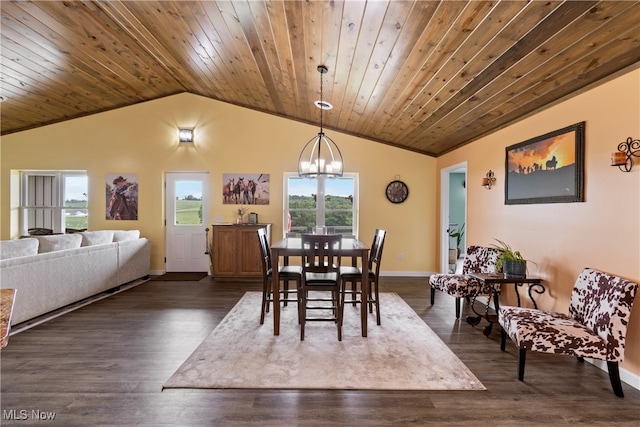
[546, 169]
[122, 196]
[245, 188]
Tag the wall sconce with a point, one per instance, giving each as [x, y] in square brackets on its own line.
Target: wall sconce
[489, 180]
[185, 135]
[622, 158]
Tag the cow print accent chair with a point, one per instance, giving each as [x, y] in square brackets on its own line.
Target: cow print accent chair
[479, 259]
[595, 327]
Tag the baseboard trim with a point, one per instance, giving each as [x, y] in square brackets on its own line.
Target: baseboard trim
[629, 378]
[424, 274]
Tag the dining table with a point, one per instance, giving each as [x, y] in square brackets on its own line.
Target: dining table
[292, 247]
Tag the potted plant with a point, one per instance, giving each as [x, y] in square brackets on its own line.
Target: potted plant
[458, 236]
[510, 261]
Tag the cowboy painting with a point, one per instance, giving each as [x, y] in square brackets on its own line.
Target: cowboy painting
[122, 197]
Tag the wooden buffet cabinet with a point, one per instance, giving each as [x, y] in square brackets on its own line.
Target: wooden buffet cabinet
[235, 251]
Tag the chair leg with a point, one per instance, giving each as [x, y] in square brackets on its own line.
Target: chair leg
[303, 311]
[377, 302]
[457, 308]
[522, 356]
[298, 292]
[265, 303]
[503, 338]
[286, 293]
[354, 290]
[339, 310]
[614, 377]
[433, 295]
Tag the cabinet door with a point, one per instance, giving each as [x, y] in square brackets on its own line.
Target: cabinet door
[224, 251]
[249, 257]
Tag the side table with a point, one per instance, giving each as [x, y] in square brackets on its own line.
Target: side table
[534, 284]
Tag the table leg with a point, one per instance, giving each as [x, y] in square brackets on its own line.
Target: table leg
[496, 304]
[365, 292]
[474, 320]
[275, 290]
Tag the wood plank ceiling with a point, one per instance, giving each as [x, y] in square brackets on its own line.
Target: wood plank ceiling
[427, 76]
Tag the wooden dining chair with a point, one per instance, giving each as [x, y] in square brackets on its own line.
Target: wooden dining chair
[320, 275]
[353, 275]
[286, 274]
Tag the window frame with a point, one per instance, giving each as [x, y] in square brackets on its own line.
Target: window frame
[56, 206]
[320, 208]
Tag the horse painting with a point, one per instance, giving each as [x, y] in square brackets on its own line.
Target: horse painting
[237, 190]
[123, 203]
[551, 164]
[251, 190]
[245, 189]
[227, 190]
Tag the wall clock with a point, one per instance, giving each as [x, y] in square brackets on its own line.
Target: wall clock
[397, 191]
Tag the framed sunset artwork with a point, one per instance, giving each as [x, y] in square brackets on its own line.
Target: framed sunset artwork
[546, 169]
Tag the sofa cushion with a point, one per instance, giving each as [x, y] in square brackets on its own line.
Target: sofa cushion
[92, 238]
[18, 248]
[58, 242]
[124, 235]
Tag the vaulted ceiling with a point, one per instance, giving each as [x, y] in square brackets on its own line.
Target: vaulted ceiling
[427, 76]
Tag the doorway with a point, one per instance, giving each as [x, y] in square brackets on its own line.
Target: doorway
[187, 217]
[453, 214]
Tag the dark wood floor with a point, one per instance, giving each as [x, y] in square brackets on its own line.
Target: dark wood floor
[104, 365]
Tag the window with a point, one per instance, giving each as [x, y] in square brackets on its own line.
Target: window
[321, 202]
[53, 200]
[188, 206]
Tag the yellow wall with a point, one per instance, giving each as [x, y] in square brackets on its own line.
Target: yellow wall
[563, 238]
[142, 139]
[603, 232]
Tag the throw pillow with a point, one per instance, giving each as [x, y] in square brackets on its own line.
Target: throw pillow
[18, 248]
[92, 238]
[124, 235]
[58, 242]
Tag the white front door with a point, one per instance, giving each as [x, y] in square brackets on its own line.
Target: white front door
[187, 215]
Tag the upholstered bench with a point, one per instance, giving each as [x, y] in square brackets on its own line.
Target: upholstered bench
[595, 326]
[478, 259]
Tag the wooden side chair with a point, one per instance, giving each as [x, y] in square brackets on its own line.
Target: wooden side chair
[353, 275]
[320, 275]
[595, 327]
[479, 259]
[286, 274]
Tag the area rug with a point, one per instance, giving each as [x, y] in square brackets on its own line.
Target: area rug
[181, 276]
[401, 354]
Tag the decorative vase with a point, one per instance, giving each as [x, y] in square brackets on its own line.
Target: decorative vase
[239, 220]
[515, 269]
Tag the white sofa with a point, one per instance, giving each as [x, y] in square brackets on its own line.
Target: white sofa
[50, 272]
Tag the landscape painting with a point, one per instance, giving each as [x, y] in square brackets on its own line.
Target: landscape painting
[245, 188]
[546, 169]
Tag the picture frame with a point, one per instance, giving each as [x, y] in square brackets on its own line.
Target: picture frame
[121, 193]
[245, 188]
[546, 169]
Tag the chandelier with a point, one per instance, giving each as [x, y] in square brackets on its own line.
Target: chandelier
[320, 156]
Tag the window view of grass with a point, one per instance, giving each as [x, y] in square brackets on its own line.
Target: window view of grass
[188, 207]
[76, 214]
[189, 212]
